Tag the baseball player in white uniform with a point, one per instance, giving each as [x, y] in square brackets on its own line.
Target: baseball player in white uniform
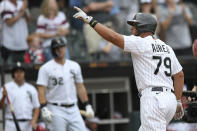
[154, 64]
[59, 82]
[24, 99]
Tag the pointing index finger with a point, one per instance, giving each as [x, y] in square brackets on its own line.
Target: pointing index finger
[77, 9]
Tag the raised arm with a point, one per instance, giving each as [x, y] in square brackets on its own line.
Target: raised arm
[110, 35]
[186, 16]
[107, 33]
[166, 23]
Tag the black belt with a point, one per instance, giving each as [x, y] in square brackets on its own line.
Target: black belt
[157, 89]
[161, 89]
[63, 105]
[20, 120]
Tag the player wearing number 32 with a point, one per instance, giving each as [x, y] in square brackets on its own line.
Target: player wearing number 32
[61, 80]
[154, 64]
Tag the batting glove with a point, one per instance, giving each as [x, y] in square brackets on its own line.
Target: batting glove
[46, 114]
[89, 111]
[179, 111]
[82, 15]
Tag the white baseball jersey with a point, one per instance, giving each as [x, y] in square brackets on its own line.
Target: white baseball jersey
[13, 37]
[154, 62]
[50, 26]
[23, 98]
[60, 80]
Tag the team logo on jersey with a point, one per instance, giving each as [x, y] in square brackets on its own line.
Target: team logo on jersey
[72, 72]
[29, 95]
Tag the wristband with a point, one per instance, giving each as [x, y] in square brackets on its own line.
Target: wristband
[86, 103]
[93, 23]
[43, 105]
[179, 101]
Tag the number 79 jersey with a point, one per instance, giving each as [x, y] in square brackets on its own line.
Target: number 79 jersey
[154, 62]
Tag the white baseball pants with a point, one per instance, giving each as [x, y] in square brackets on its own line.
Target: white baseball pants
[66, 119]
[24, 126]
[156, 109]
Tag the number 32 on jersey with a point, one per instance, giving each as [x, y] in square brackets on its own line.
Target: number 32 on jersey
[166, 61]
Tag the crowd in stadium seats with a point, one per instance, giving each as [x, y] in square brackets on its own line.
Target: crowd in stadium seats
[27, 29]
[28, 26]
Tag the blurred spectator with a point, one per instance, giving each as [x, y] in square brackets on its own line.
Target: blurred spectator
[134, 8]
[75, 24]
[14, 29]
[107, 51]
[51, 23]
[175, 19]
[150, 7]
[146, 6]
[160, 3]
[92, 124]
[61, 5]
[100, 10]
[115, 15]
[34, 54]
[24, 99]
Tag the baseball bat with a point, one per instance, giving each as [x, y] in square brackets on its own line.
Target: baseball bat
[83, 113]
[12, 112]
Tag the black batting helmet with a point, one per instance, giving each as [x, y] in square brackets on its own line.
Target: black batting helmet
[144, 23]
[55, 43]
[17, 66]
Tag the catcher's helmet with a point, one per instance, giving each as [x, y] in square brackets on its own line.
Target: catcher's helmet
[55, 43]
[144, 23]
[17, 66]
